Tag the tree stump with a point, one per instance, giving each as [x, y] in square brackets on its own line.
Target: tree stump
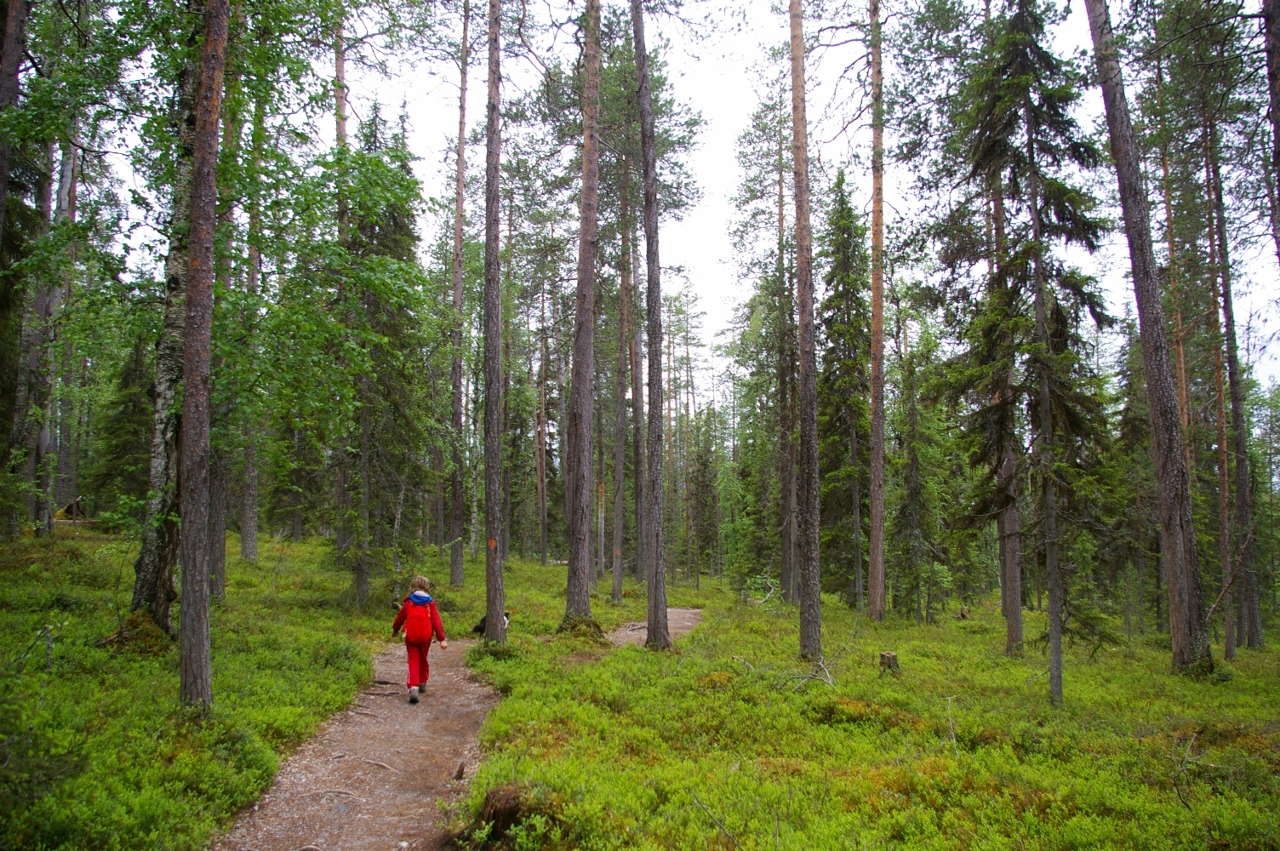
[889, 663]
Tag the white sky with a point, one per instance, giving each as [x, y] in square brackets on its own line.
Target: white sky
[711, 76]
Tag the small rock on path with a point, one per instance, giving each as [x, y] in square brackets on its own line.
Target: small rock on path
[372, 775]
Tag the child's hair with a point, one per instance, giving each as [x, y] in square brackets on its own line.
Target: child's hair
[419, 583]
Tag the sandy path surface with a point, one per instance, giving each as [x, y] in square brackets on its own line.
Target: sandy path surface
[372, 776]
[679, 622]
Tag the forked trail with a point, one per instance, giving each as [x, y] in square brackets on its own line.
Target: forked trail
[374, 775]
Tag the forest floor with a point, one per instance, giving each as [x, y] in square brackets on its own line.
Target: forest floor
[376, 775]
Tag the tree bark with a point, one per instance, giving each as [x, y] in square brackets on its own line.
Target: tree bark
[785, 402]
[153, 589]
[1271, 45]
[578, 477]
[807, 481]
[1190, 640]
[495, 628]
[658, 636]
[193, 641]
[1045, 437]
[12, 48]
[876, 571]
[456, 507]
[620, 386]
[1244, 567]
[217, 526]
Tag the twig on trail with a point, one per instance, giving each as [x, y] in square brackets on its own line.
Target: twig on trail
[310, 848]
[375, 762]
[380, 693]
[337, 756]
[384, 683]
[333, 792]
[719, 823]
[362, 712]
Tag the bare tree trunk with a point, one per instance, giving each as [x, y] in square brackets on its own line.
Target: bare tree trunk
[153, 589]
[249, 500]
[785, 402]
[636, 364]
[12, 49]
[1244, 569]
[658, 636]
[217, 525]
[1217, 258]
[253, 278]
[455, 479]
[1045, 437]
[495, 601]
[578, 479]
[1190, 640]
[540, 456]
[193, 641]
[876, 577]
[807, 485]
[620, 385]
[66, 486]
[1271, 44]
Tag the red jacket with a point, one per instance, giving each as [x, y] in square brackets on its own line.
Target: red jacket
[417, 598]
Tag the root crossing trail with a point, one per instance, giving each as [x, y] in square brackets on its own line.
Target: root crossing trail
[371, 777]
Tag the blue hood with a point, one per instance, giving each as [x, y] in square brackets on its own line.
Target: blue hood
[420, 598]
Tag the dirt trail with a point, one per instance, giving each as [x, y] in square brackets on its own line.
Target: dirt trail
[679, 622]
[371, 777]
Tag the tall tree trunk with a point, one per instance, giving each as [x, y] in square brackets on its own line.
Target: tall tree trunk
[13, 47]
[193, 641]
[495, 601]
[636, 365]
[456, 507]
[1045, 436]
[876, 577]
[1244, 567]
[785, 402]
[1271, 45]
[153, 589]
[66, 487]
[1218, 259]
[807, 484]
[540, 451]
[1190, 640]
[578, 478]
[620, 384]
[253, 278]
[658, 636]
[217, 525]
[249, 500]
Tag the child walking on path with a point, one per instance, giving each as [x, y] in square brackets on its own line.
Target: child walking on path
[421, 620]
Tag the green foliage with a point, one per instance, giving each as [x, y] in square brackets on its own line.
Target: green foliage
[97, 752]
[729, 740]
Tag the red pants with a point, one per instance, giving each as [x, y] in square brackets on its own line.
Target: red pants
[419, 670]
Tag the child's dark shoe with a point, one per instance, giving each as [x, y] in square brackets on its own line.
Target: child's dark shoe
[413, 695]
[422, 689]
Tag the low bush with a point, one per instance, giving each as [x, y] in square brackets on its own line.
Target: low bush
[732, 742]
[95, 751]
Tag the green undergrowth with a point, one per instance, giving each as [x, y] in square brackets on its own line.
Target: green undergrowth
[95, 750]
[732, 742]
